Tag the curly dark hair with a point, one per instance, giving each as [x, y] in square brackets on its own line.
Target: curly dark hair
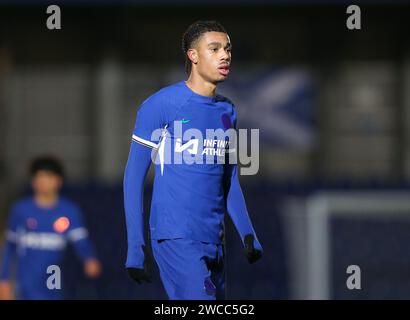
[193, 33]
[46, 163]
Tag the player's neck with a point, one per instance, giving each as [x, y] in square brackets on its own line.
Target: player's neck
[201, 86]
[46, 200]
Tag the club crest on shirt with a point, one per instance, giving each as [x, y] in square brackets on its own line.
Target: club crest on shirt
[226, 121]
[61, 224]
[32, 223]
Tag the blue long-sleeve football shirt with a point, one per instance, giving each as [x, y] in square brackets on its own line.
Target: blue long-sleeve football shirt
[185, 133]
[36, 238]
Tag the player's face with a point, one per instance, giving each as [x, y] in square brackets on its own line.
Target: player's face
[213, 56]
[46, 182]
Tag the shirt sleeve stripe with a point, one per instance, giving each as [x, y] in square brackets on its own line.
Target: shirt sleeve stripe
[144, 142]
[77, 234]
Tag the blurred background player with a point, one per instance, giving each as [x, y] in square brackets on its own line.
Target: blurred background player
[189, 200]
[38, 231]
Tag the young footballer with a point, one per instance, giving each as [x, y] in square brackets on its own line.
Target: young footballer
[190, 197]
[40, 226]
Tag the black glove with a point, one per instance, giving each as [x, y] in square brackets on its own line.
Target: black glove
[139, 275]
[251, 253]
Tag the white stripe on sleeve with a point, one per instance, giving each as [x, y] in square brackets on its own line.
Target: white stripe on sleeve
[144, 142]
[77, 234]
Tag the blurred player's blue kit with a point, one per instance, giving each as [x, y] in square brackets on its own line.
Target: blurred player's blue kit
[37, 238]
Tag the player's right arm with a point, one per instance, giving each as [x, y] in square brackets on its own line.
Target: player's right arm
[9, 254]
[149, 118]
[139, 160]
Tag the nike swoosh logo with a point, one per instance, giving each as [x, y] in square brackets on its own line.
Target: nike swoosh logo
[185, 120]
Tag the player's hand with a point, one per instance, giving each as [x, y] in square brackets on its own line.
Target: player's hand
[252, 254]
[140, 275]
[6, 291]
[92, 268]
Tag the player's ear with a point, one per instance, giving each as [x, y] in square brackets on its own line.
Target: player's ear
[60, 182]
[193, 55]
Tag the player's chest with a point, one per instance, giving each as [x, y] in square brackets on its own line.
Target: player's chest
[200, 119]
[54, 222]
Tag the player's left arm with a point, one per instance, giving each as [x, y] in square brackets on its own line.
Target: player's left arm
[236, 205]
[236, 208]
[78, 236]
